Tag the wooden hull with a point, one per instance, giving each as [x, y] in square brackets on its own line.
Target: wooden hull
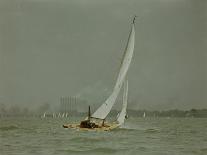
[107, 127]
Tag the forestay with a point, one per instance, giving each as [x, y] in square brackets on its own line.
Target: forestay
[105, 108]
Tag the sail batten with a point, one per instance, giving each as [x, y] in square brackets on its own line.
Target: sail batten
[105, 108]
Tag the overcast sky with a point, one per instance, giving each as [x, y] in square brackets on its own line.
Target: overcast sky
[53, 48]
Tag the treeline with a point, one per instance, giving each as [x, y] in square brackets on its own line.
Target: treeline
[16, 110]
[167, 113]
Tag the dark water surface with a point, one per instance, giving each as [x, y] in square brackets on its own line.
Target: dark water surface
[149, 136]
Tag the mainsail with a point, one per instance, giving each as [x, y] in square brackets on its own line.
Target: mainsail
[123, 113]
[105, 108]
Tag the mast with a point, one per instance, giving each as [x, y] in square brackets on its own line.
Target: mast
[89, 112]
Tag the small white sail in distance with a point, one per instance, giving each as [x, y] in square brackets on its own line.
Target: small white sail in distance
[105, 108]
[144, 115]
[123, 112]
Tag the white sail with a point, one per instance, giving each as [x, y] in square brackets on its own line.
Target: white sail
[144, 115]
[105, 108]
[123, 112]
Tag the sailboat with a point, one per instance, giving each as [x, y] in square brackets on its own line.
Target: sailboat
[144, 115]
[97, 121]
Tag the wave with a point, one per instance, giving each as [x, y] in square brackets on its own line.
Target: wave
[6, 128]
[151, 130]
[125, 129]
[95, 150]
[138, 128]
[87, 139]
[203, 150]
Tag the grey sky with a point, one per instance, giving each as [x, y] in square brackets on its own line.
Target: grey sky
[53, 48]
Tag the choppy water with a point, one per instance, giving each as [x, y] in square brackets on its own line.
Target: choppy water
[149, 136]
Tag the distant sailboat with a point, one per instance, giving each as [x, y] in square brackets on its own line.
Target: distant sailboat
[44, 115]
[59, 115]
[96, 121]
[54, 115]
[144, 115]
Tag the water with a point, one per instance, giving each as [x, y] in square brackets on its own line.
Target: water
[149, 136]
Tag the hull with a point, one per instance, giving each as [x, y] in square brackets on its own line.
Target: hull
[107, 127]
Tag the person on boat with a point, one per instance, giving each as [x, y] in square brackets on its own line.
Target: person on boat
[126, 116]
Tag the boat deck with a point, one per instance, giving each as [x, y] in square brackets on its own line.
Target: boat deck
[106, 127]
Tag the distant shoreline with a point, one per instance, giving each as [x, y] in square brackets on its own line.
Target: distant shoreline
[196, 113]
